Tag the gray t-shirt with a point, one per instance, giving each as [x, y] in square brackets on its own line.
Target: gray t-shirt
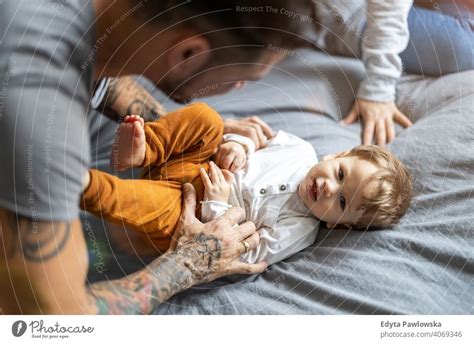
[46, 76]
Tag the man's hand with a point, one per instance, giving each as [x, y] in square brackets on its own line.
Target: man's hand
[199, 253]
[252, 127]
[125, 96]
[217, 183]
[213, 249]
[377, 120]
[231, 156]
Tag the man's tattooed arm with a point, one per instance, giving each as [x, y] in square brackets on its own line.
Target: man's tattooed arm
[124, 96]
[38, 241]
[141, 292]
[40, 244]
[33, 253]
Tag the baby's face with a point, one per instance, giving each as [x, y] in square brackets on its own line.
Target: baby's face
[333, 189]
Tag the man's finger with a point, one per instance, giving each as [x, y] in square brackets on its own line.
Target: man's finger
[267, 131]
[403, 120]
[352, 116]
[368, 133]
[245, 230]
[189, 203]
[248, 244]
[247, 269]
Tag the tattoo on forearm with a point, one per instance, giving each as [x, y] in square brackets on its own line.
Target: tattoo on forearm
[38, 241]
[191, 263]
[146, 109]
[141, 292]
[125, 96]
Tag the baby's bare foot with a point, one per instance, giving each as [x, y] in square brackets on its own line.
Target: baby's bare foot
[129, 145]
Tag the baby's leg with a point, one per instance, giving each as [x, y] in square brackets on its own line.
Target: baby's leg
[148, 206]
[191, 133]
[150, 145]
[198, 132]
[129, 146]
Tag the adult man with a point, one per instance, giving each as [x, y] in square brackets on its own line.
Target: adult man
[50, 51]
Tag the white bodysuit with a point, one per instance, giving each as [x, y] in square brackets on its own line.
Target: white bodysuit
[267, 190]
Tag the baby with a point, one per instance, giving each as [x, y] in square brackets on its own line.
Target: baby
[282, 188]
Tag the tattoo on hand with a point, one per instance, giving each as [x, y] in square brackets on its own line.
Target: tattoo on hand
[146, 109]
[205, 250]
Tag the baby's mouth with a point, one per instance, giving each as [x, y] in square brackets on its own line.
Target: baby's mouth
[315, 190]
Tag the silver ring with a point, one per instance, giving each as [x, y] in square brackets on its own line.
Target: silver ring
[246, 246]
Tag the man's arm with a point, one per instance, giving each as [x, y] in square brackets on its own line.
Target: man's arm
[124, 96]
[52, 256]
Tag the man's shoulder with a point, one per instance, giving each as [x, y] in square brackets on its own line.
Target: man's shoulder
[55, 31]
[45, 46]
[17, 15]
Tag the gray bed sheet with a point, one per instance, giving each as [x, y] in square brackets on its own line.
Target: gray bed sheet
[424, 265]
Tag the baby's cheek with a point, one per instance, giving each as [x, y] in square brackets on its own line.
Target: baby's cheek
[323, 212]
[316, 211]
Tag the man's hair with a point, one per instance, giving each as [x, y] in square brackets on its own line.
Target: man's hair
[393, 188]
[245, 26]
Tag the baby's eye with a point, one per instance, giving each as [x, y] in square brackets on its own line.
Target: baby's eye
[342, 202]
[341, 174]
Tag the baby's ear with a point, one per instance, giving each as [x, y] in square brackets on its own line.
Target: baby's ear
[329, 157]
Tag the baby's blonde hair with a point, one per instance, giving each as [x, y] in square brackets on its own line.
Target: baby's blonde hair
[393, 192]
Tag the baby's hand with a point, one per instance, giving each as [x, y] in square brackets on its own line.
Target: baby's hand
[217, 183]
[231, 156]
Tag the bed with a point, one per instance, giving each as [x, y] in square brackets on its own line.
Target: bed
[425, 265]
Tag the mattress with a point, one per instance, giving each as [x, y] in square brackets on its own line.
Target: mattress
[424, 265]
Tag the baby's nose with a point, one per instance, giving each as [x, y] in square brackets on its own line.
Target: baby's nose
[329, 188]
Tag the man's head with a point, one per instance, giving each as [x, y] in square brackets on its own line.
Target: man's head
[366, 187]
[199, 48]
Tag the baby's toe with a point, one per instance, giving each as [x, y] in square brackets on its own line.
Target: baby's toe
[138, 129]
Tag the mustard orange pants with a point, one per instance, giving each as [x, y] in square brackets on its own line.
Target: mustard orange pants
[177, 145]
